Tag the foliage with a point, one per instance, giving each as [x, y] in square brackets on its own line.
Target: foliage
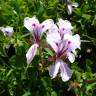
[19, 79]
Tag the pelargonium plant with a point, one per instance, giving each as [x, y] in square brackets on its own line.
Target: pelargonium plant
[60, 38]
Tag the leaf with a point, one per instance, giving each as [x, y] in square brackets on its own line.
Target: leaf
[27, 94]
[53, 93]
[9, 73]
[86, 16]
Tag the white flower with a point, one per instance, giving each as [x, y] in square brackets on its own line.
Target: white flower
[37, 29]
[70, 6]
[8, 31]
[70, 9]
[63, 44]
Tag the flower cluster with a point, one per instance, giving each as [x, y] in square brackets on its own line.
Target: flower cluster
[62, 41]
[60, 38]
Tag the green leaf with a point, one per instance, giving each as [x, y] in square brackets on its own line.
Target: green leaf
[27, 94]
[86, 16]
[53, 93]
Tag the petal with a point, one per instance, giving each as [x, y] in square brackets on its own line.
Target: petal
[64, 24]
[8, 31]
[71, 57]
[75, 41]
[66, 31]
[47, 24]
[54, 69]
[65, 71]
[31, 53]
[75, 4]
[31, 23]
[53, 34]
[53, 45]
[2, 29]
[53, 37]
[69, 6]
[74, 52]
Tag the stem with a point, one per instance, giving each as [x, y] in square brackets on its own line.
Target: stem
[85, 41]
[25, 35]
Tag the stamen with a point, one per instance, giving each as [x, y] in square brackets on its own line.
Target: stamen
[63, 29]
[33, 25]
[7, 32]
[43, 26]
[69, 42]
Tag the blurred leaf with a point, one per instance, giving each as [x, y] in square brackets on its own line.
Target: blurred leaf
[27, 94]
[53, 93]
[86, 16]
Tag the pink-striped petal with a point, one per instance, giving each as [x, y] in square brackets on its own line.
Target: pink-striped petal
[47, 24]
[54, 69]
[65, 71]
[74, 41]
[53, 38]
[64, 24]
[31, 53]
[31, 23]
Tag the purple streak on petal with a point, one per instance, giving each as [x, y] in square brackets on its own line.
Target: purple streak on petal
[75, 41]
[54, 69]
[37, 35]
[31, 53]
[47, 24]
[65, 71]
[63, 48]
[31, 23]
[43, 26]
[53, 38]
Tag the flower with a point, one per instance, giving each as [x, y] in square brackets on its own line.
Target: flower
[70, 6]
[37, 30]
[63, 47]
[8, 31]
